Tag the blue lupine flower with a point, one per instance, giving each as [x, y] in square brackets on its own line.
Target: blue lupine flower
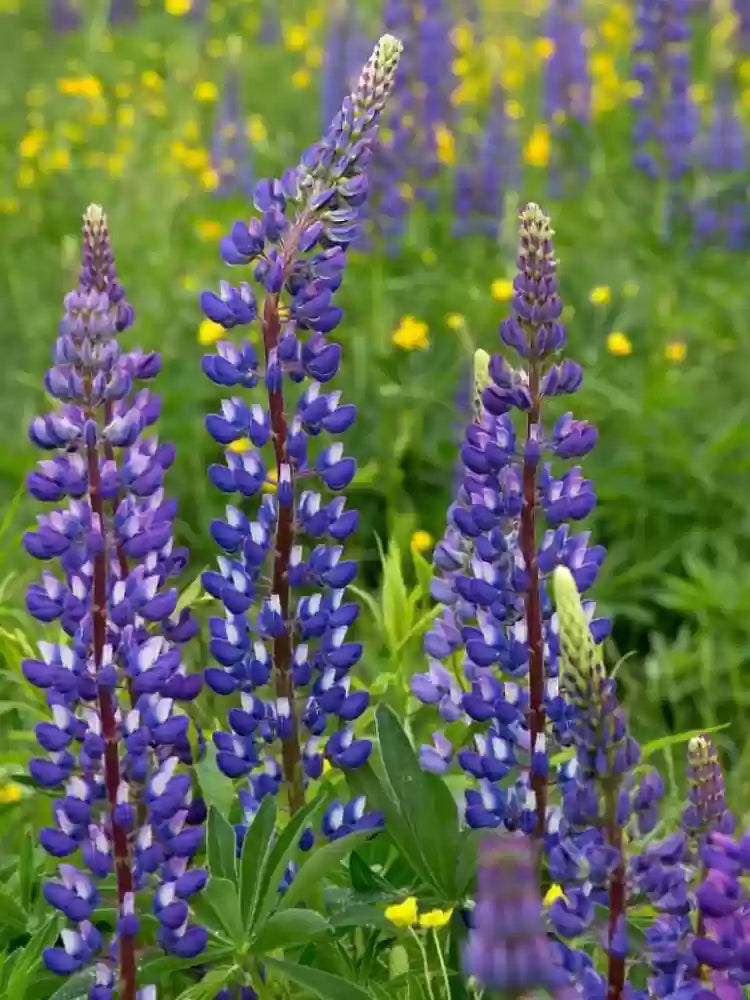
[290, 664]
[724, 214]
[231, 156]
[490, 570]
[117, 739]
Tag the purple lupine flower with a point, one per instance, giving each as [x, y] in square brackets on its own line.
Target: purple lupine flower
[291, 664]
[270, 24]
[486, 175]
[725, 213]
[508, 949]
[117, 740]
[490, 568]
[742, 12]
[122, 11]
[708, 805]
[231, 156]
[65, 15]
[666, 117]
[345, 51]
[567, 87]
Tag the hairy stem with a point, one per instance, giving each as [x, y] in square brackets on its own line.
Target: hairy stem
[617, 894]
[533, 610]
[282, 644]
[123, 870]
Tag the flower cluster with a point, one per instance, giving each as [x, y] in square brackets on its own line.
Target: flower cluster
[230, 154]
[118, 742]
[287, 663]
[491, 569]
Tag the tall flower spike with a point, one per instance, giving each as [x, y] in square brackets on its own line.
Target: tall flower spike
[708, 805]
[491, 569]
[606, 754]
[117, 740]
[230, 154]
[288, 666]
[508, 949]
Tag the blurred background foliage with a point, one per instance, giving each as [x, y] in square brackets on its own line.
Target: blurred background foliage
[165, 111]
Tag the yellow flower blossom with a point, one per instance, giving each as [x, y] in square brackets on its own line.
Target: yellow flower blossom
[446, 145]
[115, 165]
[26, 176]
[536, 149]
[455, 321]
[675, 351]
[209, 179]
[600, 295]
[256, 130]
[421, 541]
[619, 344]
[554, 892]
[632, 89]
[435, 919]
[209, 332]
[301, 78]
[514, 110]
[98, 115]
[55, 160]
[10, 794]
[501, 289]
[126, 116]
[271, 480]
[512, 77]
[544, 48]
[80, 86]
[411, 335]
[429, 257]
[205, 91]
[123, 90]
[314, 57]
[743, 70]
[405, 190]
[151, 80]
[403, 914]
[462, 37]
[209, 229]
[295, 38]
[313, 17]
[240, 446]
[31, 144]
[178, 8]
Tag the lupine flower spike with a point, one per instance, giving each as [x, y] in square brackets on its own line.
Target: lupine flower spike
[117, 740]
[289, 665]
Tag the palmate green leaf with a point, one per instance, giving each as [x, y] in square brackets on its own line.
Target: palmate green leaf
[289, 927]
[217, 907]
[362, 915]
[424, 801]
[317, 864]
[221, 846]
[256, 851]
[153, 970]
[76, 987]
[284, 850]
[27, 965]
[317, 983]
[216, 788]
[209, 984]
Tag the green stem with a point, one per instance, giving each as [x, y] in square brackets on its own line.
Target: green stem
[425, 962]
[443, 968]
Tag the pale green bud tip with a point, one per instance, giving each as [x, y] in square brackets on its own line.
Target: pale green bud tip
[579, 660]
[701, 751]
[378, 74]
[566, 592]
[94, 217]
[481, 379]
[535, 229]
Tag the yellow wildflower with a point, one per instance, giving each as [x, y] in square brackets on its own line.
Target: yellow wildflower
[178, 8]
[514, 110]
[698, 92]
[301, 78]
[501, 289]
[10, 794]
[209, 332]
[554, 892]
[151, 80]
[421, 541]
[206, 91]
[743, 70]
[25, 177]
[405, 190]
[411, 335]
[446, 145]
[536, 150]
[676, 351]
[429, 257]
[209, 229]
[454, 321]
[435, 919]
[632, 89]
[80, 86]
[115, 165]
[313, 18]
[209, 179]
[512, 77]
[462, 37]
[619, 344]
[544, 48]
[56, 159]
[256, 129]
[123, 90]
[31, 144]
[600, 295]
[240, 446]
[460, 66]
[295, 38]
[403, 914]
[271, 480]
[98, 115]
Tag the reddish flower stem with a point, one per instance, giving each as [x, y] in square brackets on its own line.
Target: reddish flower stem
[533, 610]
[616, 964]
[282, 644]
[123, 870]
